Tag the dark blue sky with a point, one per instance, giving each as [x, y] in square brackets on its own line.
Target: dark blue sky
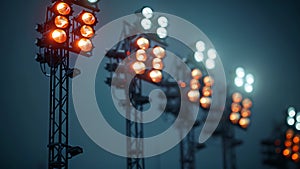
[261, 35]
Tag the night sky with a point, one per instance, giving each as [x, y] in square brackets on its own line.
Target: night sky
[261, 35]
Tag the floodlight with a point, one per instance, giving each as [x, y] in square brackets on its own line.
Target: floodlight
[142, 43]
[200, 46]
[147, 12]
[141, 55]
[199, 56]
[291, 111]
[234, 117]
[212, 53]
[87, 31]
[159, 52]
[93, 1]
[88, 18]
[85, 45]
[157, 63]
[205, 102]
[63, 8]
[237, 97]
[210, 63]
[249, 78]
[290, 121]
[240, 72]
[146, 24]
[59, 36]
[248, 88]
[162, 21]
[193, 95]
[196, 74]
[61, 22]
[139, 67]
[162, 32]
[155, 75]
[194, 84]
[239, 82]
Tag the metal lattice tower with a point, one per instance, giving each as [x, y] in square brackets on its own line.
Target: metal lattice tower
[134, 130]
[187, 151]
[58, 119]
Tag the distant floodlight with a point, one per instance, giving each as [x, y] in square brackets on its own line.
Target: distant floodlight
[200, 46]
[196, 74]
[162, 32]
[237, 97]
[205, 102]
[298, 117]
[155, 75]
[240, 72]
[249, 78]
[297, 125]
[234, 117]
[193, 95]
[162, 21]
[159, 52]
[93, 1]
[248, 88]
[290, 121]
[138, 67]
[157, 64]
[199, 56]
[239, 82]
[291, 111]
[147, 12]
[212, 53]
[244, 122]
[141, 55]
[146, 24]
[210, 64]
[143, 43]
[194, 84]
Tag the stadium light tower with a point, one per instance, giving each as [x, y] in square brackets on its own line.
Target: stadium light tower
[59, 35]
[237, 113]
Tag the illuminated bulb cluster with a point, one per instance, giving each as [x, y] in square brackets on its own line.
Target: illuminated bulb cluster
[243, 80]
[85, 31]
[240, 110]
[162, 22]
[139, 66]
[293, 118]
[201, 52]
[291, 146]
[61, 22]
[197, 93]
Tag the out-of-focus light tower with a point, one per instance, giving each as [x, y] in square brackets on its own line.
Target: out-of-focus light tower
[61, 34]
[237, 112]
[291, 149]
[199, 92]
[273, 147]
[144, 49]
